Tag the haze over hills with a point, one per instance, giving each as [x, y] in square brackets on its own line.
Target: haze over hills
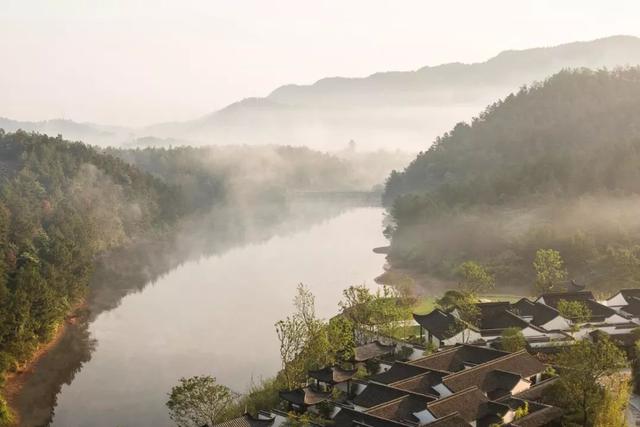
[553, 166]
[405, 109]
[401, 109]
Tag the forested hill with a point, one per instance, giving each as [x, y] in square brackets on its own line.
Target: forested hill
[556, 164]
[61, 204]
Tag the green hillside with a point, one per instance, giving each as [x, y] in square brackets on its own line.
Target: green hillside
[61, 205]
[555, 165]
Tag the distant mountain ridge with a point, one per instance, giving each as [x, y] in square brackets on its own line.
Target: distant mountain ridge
[394, 109]
[514, 67]
[88, 132]
[399, 109]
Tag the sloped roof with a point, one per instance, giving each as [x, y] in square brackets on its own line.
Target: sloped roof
[499, 383]
[537, 391]
[458, 358]
[349, 417]
[539, 418]
[333, 374]
[304, 396]
[489, 308]
[520, 363]
[553, 298]
[422, 383]
[402, 409]
[470, 403]
[372, 350]
[599, 312]
[502, 319]
[541, 313]
[247, 421]
[633, 306]
[439, 323]
[627, 294]
[398, 371]
[451, 420]
[377, 394]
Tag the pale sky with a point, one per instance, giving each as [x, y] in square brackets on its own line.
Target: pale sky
[137, 62]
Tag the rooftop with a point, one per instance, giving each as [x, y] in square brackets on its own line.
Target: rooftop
[372, 350]
[247, 421]
[540, 313]
[552, 298]
[520, 364]
[304, 396]
[458, 358]
[333, 374]
[399, 371]
[441, 324]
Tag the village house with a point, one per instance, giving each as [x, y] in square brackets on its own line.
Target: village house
[544, 328]
[464, 385]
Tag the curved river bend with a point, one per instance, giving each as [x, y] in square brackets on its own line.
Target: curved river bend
[214, 316]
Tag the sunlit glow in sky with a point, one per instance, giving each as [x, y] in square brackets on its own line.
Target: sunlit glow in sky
[129, 62]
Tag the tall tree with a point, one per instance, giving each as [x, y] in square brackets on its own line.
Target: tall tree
[550, 270]
[584, 370]
[199, 401]
[474, 278]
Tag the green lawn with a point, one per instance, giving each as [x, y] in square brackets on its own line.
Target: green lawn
[426, 305]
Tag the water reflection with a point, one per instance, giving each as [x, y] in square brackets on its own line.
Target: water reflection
[203, 301]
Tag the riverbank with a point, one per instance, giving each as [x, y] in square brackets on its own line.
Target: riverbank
[31, 391]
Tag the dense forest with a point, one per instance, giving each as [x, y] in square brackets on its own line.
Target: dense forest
[556, 165]
[62, 204]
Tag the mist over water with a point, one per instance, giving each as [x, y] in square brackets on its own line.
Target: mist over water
[215, 315]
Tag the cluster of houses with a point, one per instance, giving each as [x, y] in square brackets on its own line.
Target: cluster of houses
[467, 381]
[541, 323]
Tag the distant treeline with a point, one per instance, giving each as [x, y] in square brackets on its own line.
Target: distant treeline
[555, 165]
[262, 172]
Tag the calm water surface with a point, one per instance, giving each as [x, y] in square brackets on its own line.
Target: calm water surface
[214, 316]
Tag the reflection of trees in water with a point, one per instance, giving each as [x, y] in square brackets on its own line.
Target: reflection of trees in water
[131, 269]
[59, 366]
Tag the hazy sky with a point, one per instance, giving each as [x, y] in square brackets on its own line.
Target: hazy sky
[134, 62]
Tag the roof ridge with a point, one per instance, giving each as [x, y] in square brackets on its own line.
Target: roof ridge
[374, 415]
[486, 364]
[407, 392]
[422, 374]
[453, 395]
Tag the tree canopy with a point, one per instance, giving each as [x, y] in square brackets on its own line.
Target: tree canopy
[551, 166]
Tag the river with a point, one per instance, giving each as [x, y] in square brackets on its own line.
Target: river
[215, 315]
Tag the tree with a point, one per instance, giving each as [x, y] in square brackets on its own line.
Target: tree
[464, 303]
[635, 364]
[341, 338]
[198, 401]
[382, 312]
[575, 311]
[357, 306]
[292, 337]
[612, 410]
[584, 368]
[512, 340]
[474, 278]
[550, 270]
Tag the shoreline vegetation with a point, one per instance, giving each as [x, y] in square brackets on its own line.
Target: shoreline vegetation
[63, 205]
[22, 407]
